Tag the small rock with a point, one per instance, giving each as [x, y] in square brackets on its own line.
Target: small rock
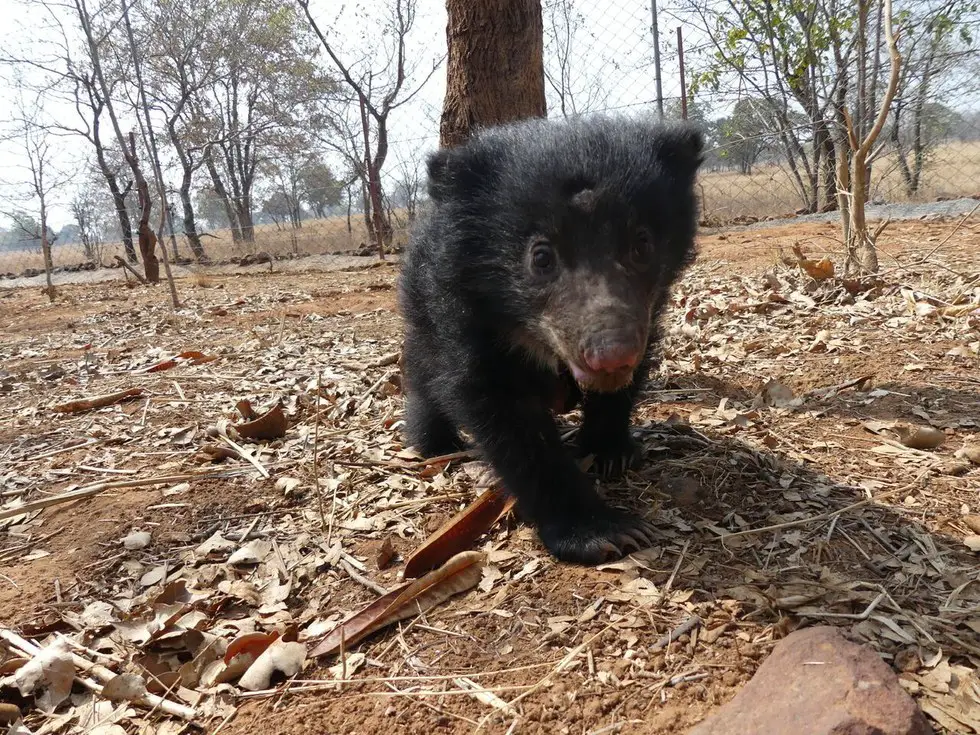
[970, 452]
[816, 682]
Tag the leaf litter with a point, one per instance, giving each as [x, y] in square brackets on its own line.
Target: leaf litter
[275, 576]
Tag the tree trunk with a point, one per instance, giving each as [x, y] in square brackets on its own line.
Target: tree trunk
[147, 240]
[222, 192]
[122, 214]
[190, 224]
[495, 70]
[46, 251]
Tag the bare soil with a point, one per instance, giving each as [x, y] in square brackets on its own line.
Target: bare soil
[556, 649]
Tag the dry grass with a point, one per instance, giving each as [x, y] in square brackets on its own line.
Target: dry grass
[952, 171]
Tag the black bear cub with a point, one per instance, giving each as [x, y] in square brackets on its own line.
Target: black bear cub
[533, 283]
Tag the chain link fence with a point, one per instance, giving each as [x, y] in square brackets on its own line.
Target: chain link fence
[767, 91]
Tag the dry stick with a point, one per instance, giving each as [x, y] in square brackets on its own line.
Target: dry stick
[88, 491]
[130, 268]
[362, 580]
[246, 455]
[316, 464]
[101, 673]
[88, 404]
[686, 627]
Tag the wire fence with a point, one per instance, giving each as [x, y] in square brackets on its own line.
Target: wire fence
[771, 108]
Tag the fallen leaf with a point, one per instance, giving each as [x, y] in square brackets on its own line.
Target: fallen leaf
[386, 553]
[270, 425]
[251, 644]
[51, 671]
[458, 533]
[969, 452]
[286, 657]
[125, 688]
[89, 404]
[972, 522]
[972, 542]
[457, 575]
[192, 357]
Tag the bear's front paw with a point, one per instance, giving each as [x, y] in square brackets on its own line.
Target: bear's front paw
[594, 536]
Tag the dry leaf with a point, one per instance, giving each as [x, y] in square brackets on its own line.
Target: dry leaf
[459, 533]
[457, 575]
[51, 671]
[125, 688]
[137, 540]
[285, 657]
[270, 425]
[192, 357]
[972, 542]
[386, 553]
[249, 644]
[969, 452]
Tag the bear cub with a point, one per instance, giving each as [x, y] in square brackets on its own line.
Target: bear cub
[534, 283]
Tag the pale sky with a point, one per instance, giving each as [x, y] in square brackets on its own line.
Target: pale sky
[612, 68]
[615, 40]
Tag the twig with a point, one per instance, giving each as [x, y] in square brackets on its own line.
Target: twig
[801, 522]
[362, 580]
[88, 404]
[245, 454]
[102, 674]
[130, 268]
[316, 463]
[88, 491]
[686, 627]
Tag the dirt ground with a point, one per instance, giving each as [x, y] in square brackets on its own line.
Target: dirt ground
[775, 472]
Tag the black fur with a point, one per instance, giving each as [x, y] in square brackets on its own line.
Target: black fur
[491, 330]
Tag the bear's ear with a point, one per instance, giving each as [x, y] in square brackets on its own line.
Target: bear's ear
[460, 172]
[682, 149]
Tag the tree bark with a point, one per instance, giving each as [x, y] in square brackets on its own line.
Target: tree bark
[222, 192]
[495, 69]
[147, 239]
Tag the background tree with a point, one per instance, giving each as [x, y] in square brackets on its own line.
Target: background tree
[377, 93]
[319, 189]
[268, 85]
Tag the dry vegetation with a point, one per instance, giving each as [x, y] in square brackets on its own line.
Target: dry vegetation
[775, 472]
[951, 171]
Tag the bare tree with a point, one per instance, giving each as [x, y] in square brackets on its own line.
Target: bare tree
[267, 87]
[575, 81]
[852, 170]
[43, 177]
[147, 241]
[378, 92]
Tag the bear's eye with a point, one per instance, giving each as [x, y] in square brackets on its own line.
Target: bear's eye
[641, 248]
[543, 257]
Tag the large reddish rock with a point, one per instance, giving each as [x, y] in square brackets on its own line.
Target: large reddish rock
[816, 682]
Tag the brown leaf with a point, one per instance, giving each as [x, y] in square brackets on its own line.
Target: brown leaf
[88, 404]
[458, 533]
[191, 356]
[386, 553]
[270, 425]
[973, 523]
[252, 644]
[457, 575]
[818, 270]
